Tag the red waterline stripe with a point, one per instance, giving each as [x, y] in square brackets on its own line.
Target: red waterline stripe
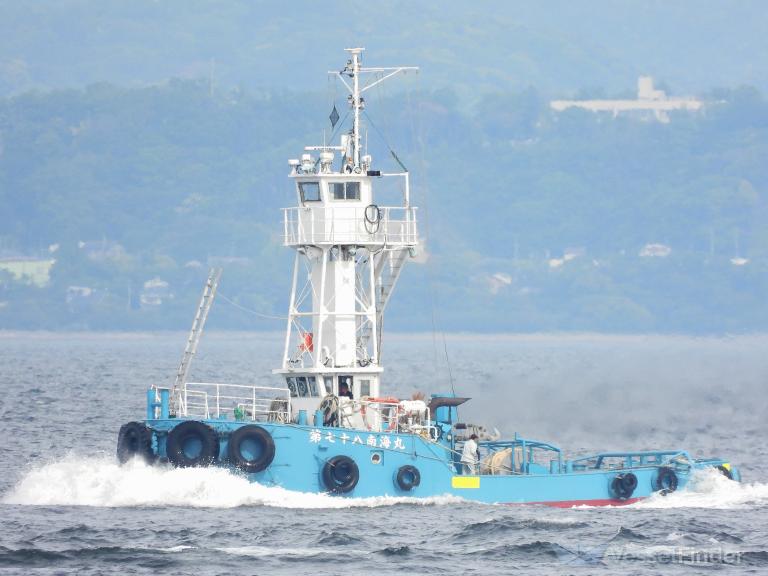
[572, 503]
[600, 502]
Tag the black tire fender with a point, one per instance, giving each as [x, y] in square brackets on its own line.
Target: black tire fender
[340, 474]
[629, 482]
[666, 480]
[191, 430]
[264, 441]
[135, 439]
[408, 477]
[623, 485]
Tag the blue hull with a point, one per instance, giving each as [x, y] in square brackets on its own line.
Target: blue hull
[302, 453]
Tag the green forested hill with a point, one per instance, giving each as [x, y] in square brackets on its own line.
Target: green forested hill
[160, 181]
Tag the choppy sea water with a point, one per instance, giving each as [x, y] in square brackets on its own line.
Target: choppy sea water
[68, 508]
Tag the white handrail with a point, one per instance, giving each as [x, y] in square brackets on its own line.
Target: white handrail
[333, 224]
[237, 400]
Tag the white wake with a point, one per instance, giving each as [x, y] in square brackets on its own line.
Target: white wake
[710, 489]
[87, 481]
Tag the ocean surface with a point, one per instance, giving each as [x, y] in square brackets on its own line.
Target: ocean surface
[66, 507]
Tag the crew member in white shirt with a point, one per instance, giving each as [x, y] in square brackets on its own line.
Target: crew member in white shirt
[469, 456]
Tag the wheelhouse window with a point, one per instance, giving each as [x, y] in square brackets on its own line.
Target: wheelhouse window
[302, 386]
[310, 191]
[345, 190]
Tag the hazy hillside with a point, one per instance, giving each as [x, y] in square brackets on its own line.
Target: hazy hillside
[159, 182]
[559, 46]
[534, 220]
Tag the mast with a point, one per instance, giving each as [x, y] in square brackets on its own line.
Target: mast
[356, 101]
[354, 70]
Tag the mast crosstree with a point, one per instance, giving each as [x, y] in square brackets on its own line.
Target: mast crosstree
[354, 70]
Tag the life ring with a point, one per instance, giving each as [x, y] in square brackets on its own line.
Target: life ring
[623, 485]
[666, 480]
[372, 214]
[408, 477]
[251, 448]
[372, 218]
[386, 400]
[340, 474]
[192, 443]
[725, 472]
[135, 439]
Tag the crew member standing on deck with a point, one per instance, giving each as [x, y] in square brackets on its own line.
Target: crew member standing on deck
[469, 456]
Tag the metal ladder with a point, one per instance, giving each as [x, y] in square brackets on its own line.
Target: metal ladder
[387, 271]
[209, 293]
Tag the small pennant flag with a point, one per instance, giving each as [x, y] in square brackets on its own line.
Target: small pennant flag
[334, 117]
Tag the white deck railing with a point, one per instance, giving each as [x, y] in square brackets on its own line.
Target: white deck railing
[236, 401]
[345, 224]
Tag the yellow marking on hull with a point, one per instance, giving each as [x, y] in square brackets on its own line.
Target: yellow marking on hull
[465, 482]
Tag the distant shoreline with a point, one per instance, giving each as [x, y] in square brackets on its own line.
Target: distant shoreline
[418, 335]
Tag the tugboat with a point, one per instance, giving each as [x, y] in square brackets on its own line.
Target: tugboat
[328, 427]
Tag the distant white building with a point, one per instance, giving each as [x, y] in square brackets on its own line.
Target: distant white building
[648, 99]
[81, 298]
[28, 269]
[655, 251]
[155, 292]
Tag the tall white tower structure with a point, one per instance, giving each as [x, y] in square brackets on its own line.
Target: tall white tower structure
[349, 254]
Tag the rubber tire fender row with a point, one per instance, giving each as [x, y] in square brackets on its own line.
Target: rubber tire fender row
[623, 485]
[259, 436]
[666, 480]
[408, 477]
[135, 439]
[340, 474]
[192, 430]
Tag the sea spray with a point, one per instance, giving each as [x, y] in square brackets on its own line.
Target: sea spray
[89, 481]
[709, 488]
